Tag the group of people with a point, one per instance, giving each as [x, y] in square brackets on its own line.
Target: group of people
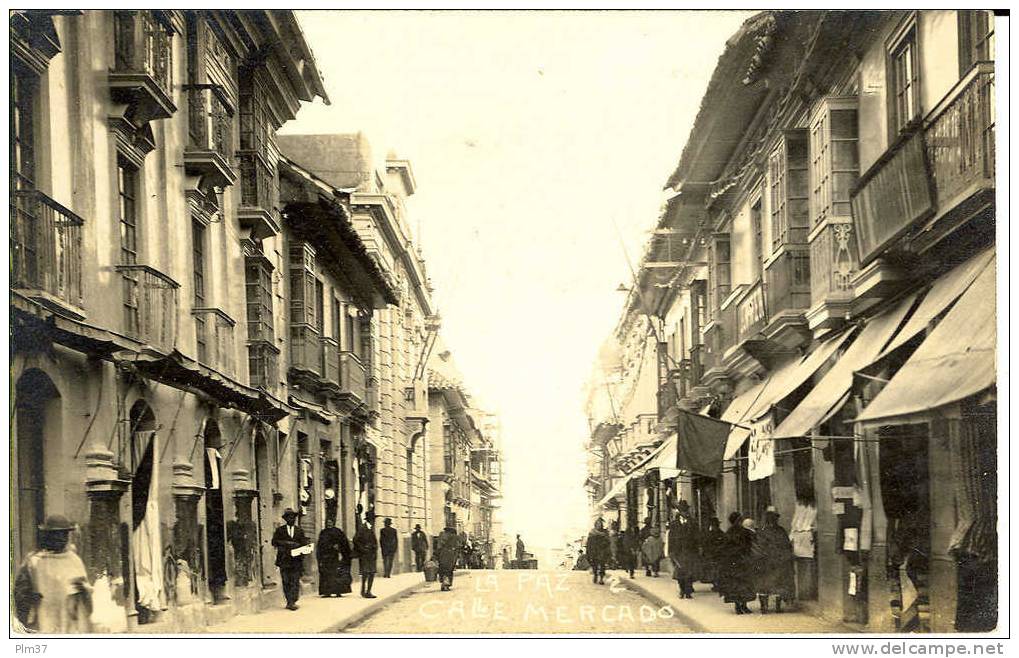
[743, 563]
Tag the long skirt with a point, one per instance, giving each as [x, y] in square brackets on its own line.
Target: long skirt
[329, 582]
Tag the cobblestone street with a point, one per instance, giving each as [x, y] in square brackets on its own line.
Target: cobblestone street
[523, 602]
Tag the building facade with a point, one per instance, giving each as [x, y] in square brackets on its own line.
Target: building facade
[143, 409]
[823, 261]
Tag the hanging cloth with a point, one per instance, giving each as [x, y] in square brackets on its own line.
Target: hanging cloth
[214, 458]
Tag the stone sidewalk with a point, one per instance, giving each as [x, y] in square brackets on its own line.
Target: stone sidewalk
[708, 613]
[320, 615]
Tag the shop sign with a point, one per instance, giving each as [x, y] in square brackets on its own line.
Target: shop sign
[761, 454]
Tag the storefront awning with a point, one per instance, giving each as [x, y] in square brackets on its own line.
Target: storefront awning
[758, 399]
[945, 290]
[955, 361]
[618, 488]
[833, 388]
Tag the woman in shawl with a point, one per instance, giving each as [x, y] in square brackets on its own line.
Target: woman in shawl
[447, 549]
[736, 565]
[773, 557]
[333, 553]
[713, 544]
[599, 551]
[651, 550]
[628, 547]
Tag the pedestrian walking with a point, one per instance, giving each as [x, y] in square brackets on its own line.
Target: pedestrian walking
[598, 551]
[520, 552]
[629, 547]
[773, 556]
[366, 548]
[713, 543]
[736, 565]
[388, 542]
[334, 555]
[582, 563]
[419, 545]
[651, 550]
[683, 549]
[613, 561]
[286, 539]
[447, 549]
[51, 589]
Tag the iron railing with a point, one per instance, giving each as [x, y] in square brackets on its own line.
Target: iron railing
[45, 246]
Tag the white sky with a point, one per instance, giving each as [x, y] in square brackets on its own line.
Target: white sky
[530, 135]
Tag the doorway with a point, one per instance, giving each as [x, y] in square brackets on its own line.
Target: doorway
[215, 523]
[37, 418]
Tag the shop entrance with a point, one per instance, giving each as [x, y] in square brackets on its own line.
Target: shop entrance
[215, 524]
[265, 506]
[905, 492]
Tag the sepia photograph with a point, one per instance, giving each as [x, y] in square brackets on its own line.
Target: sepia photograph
[502, 324]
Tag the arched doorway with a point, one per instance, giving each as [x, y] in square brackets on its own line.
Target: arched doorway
[215, 523]
[146, 542]
[37, 417]
[264, 487]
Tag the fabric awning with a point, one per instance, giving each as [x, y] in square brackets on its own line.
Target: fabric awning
[833, 388]
[955, 361]
[758, 399]
[616, 489]
[945, 290]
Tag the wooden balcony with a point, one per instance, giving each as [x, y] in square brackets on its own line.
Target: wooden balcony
[945, 165]
[259, 192]
[833, 264]
[46, 251]
[331, 362]
[214, 334]
[787, 298]
[150, 306]
[263, 365]
[353, 377]
[142, 74]
[305, 351]
[210, 148]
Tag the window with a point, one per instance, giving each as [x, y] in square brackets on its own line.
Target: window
[23, 89]
[303, 285]
[720, 272]
[350, 329]
[198, 264]
[976, 38]
[258, 297]
[788, 187]
[127, 194]
[758, 246]
[903, 81]
[834, 158]
[319, 304]
[337, 314]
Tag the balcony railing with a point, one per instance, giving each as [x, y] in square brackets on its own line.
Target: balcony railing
[929, 170]
[353, 377]
[331, 361]
[210, 121]
[257, 183]
[697, 364]
[214, 334]
[305, 349]
[833, 262]
[667, 398]
[960, 137]
[263, 365]
[150, 306]
[45, 247]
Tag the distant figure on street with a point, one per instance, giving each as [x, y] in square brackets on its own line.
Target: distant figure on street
[683, 549]
[713, 544]
[582, 564]
[388, 542]
[366, 548]
[613, 561]
[651, 550]
[736, 569]
[447, 549]
[419, 544]
[505, 558]
[51, 589]
[520, 551]
[333, 553]
[772, 554]
[598, 551]
[285, 539]
[629, 547]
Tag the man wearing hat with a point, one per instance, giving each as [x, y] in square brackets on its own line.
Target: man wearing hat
[285, 539]
[683, 547]
[51, 590]
[773, 556]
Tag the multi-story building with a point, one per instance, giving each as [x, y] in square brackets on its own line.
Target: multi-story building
[396, 337]
[148, 401]
[485, 471]
[822, 276]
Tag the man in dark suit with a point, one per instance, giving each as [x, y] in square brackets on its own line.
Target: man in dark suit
[285, 539]
[419, 544]
[388, 542]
